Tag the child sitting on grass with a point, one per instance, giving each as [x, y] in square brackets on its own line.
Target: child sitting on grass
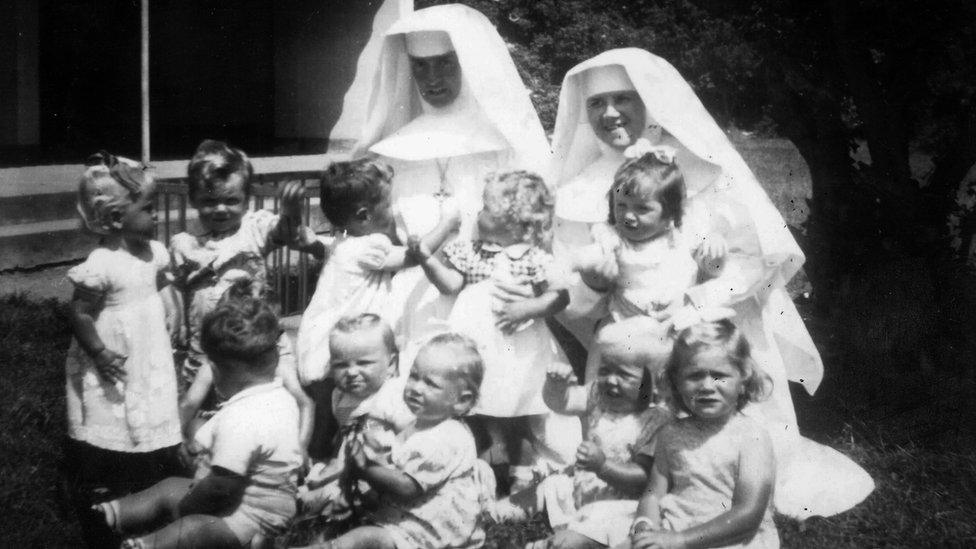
[714, 470]
[200, 401]
[595, 506]
[367, 400]
[245, 483]
[434, 490]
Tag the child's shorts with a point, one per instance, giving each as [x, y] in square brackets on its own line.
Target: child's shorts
[263, 510]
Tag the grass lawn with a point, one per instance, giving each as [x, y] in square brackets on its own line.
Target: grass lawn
[925, 497]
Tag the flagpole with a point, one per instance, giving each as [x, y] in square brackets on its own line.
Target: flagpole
[144, 80]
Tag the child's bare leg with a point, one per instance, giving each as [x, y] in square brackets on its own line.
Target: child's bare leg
[364, 537]
[190, 532]
[153, 506]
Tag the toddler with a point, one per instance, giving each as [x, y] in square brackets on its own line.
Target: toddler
[367, 400]
[355, 198]
[123, 425]
[514, 234]
[233, 241]
[642, 259]
[714, 470]
[245, 484]
[200, 400]
[434, 489]
[596, 504]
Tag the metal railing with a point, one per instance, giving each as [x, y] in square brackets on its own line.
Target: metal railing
[291, 274]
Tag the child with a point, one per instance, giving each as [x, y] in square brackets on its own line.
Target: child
[362, 259]
[200, 401]
[368, 398]
[233, 241]
[515, 230]
[646, 263]
[435, 492]
[620, 420]
[245, 484]
[123, 425]
[714, 470]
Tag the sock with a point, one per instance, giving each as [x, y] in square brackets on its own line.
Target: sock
[110, 510]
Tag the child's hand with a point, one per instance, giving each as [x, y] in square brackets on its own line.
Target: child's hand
[590, 457]
[561, 372]
[356, 455]
[291, 195]
[658, 540]
[597, 267]
[110, 365]
[711, 254]
[417, 250]
[509, 316]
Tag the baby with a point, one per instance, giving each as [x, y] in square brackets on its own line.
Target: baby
[367, 400]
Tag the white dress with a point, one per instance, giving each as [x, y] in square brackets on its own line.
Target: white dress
[139, 413]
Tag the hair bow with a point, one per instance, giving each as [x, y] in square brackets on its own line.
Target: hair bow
[688, 316]
[643, 147]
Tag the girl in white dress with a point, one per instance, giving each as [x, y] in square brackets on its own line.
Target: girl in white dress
[515, 229]
[123, 423]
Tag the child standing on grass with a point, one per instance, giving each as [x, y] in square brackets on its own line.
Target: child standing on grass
[434, 489]
[714, 470]
[595, 505]
[514, 233]
[245, 484]
[123, 425]
[233, 241]
[367, 401]
[361, 260]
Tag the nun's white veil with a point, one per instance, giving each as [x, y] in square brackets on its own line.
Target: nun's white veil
[488, 73]
[671, 102]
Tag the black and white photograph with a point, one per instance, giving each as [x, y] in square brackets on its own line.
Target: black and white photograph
[643, 274]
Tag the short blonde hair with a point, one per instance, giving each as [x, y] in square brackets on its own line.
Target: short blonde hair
[524, 201]
[723, 336]
[107, 187]
[469, 368]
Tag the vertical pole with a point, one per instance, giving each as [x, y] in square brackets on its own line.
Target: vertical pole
[144, 80]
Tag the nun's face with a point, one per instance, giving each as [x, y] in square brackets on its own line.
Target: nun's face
[617, 118]
[438, 78]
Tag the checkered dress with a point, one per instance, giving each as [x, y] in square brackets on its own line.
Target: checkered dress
[476, 261]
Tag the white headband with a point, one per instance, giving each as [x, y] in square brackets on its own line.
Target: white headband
[428, 43]
[605, 79]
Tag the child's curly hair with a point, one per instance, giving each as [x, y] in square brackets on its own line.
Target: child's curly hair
[215, 162]
[349, 186]
[723, 336]
[522, 199]
[241, 328]
[109, 184]
[650, 177]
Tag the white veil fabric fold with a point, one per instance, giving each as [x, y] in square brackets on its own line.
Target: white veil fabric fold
[671, 102]
[488, 73]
